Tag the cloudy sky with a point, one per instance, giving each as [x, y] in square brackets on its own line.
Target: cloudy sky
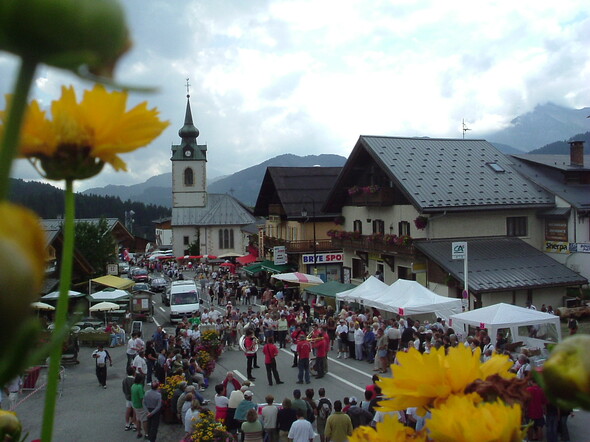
[309, 76]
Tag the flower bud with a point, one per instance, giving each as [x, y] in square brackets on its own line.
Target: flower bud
[10, 426]
[66, 34]
[22, 263]
[566, 374]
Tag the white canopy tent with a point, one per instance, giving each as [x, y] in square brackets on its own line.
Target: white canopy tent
[112, 295]
[370, 287]
[532, 327]
[407, 298]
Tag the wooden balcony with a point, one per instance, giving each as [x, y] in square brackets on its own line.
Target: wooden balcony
[304, 246]
[371, 245]
[383, 197]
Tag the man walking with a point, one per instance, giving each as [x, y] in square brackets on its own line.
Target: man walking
[127, 384]
[101, 357]
[152, 402]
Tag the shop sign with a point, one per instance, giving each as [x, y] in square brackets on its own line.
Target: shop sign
[324, 258]
[557, 247]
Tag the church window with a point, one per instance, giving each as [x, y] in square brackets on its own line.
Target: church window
[226, 239]
[189, 178]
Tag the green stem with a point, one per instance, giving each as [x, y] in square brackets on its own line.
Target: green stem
[16, 113]
[61, 312]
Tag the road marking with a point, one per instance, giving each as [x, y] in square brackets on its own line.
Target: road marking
[161, 308]
[332, 360]
[350, 384]
[156, 322]
[239, 374]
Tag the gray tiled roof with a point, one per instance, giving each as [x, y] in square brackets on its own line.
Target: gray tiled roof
[548, 172]
[453, 174]
[500, 264]
[221, 210]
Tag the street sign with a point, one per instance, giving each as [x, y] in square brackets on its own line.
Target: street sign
[459, 250]
[280, 255]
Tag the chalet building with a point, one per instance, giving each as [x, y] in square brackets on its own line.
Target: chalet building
[406, 201]
[217, 224]
[290, 199]
[566, 227]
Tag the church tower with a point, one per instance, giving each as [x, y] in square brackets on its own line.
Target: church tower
[189, 165]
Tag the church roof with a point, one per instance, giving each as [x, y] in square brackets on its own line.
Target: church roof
[220, 210]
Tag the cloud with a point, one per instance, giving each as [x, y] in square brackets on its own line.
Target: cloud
[304, 76]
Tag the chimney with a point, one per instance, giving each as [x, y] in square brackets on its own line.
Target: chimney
[577, 153]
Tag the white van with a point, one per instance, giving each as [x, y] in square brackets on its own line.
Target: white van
[185, 299]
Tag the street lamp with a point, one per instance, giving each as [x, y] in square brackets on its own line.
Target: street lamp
[304, 214]
[129, 220]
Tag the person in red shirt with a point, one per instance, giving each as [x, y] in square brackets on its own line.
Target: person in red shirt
[372, 386]
[294, 339]
[303, 349]
[271, 351]
[321, 347]
[535, 410]
[250, 344]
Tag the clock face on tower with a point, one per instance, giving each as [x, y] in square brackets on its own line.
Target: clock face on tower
[188, 153]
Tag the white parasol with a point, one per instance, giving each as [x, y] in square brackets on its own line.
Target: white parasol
[42, 306]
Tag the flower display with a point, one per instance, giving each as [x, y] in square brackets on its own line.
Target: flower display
[427, 380]
[374, 188]
[421, 222]
[209, 429]
[82, 137]
[170, 386]
[354, 190]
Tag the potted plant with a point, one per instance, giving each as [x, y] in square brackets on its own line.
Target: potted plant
[354, 190]
[421, 222]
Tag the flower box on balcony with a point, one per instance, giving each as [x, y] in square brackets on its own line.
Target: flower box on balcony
[380, 197]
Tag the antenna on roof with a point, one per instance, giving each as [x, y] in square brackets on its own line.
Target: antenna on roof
[465, 128]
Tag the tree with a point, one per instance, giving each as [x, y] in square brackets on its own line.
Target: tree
[96, 243]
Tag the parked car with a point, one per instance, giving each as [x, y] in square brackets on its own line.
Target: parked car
[141, 286]
[159, 284]
[166, 296]
[140, 275]
[123, 267]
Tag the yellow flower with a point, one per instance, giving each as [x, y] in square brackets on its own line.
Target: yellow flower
[424, 380]
[82, 137]
[10, 426]
[390, 430]
[460, 419]
[22, 260]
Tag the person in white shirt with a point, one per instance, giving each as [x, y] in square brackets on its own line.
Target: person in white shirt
[269, 419]
[102, 357]
[301, 430]
[139, 363]
[342, 334]
[359, 336]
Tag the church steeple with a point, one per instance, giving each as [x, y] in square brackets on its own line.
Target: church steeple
[189, 149]
[188, 132]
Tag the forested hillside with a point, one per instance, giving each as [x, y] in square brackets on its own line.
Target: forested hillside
[48, 202]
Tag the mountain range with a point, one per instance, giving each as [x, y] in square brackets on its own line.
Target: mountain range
[538, 130]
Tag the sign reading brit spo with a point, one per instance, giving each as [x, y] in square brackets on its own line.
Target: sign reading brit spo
[324, 258]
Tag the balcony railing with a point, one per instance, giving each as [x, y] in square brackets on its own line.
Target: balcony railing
[303, 246]
[373, 245]
[385, 196]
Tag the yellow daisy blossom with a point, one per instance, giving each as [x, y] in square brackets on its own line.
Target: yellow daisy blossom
[423, 380]
[460, 419]
[82, 137]
[390, 430]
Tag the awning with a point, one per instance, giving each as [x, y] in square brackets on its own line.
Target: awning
[556, 213]
[255, 268]
[114, 281]
[269, 266]
[247, 259]
[329, 288]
